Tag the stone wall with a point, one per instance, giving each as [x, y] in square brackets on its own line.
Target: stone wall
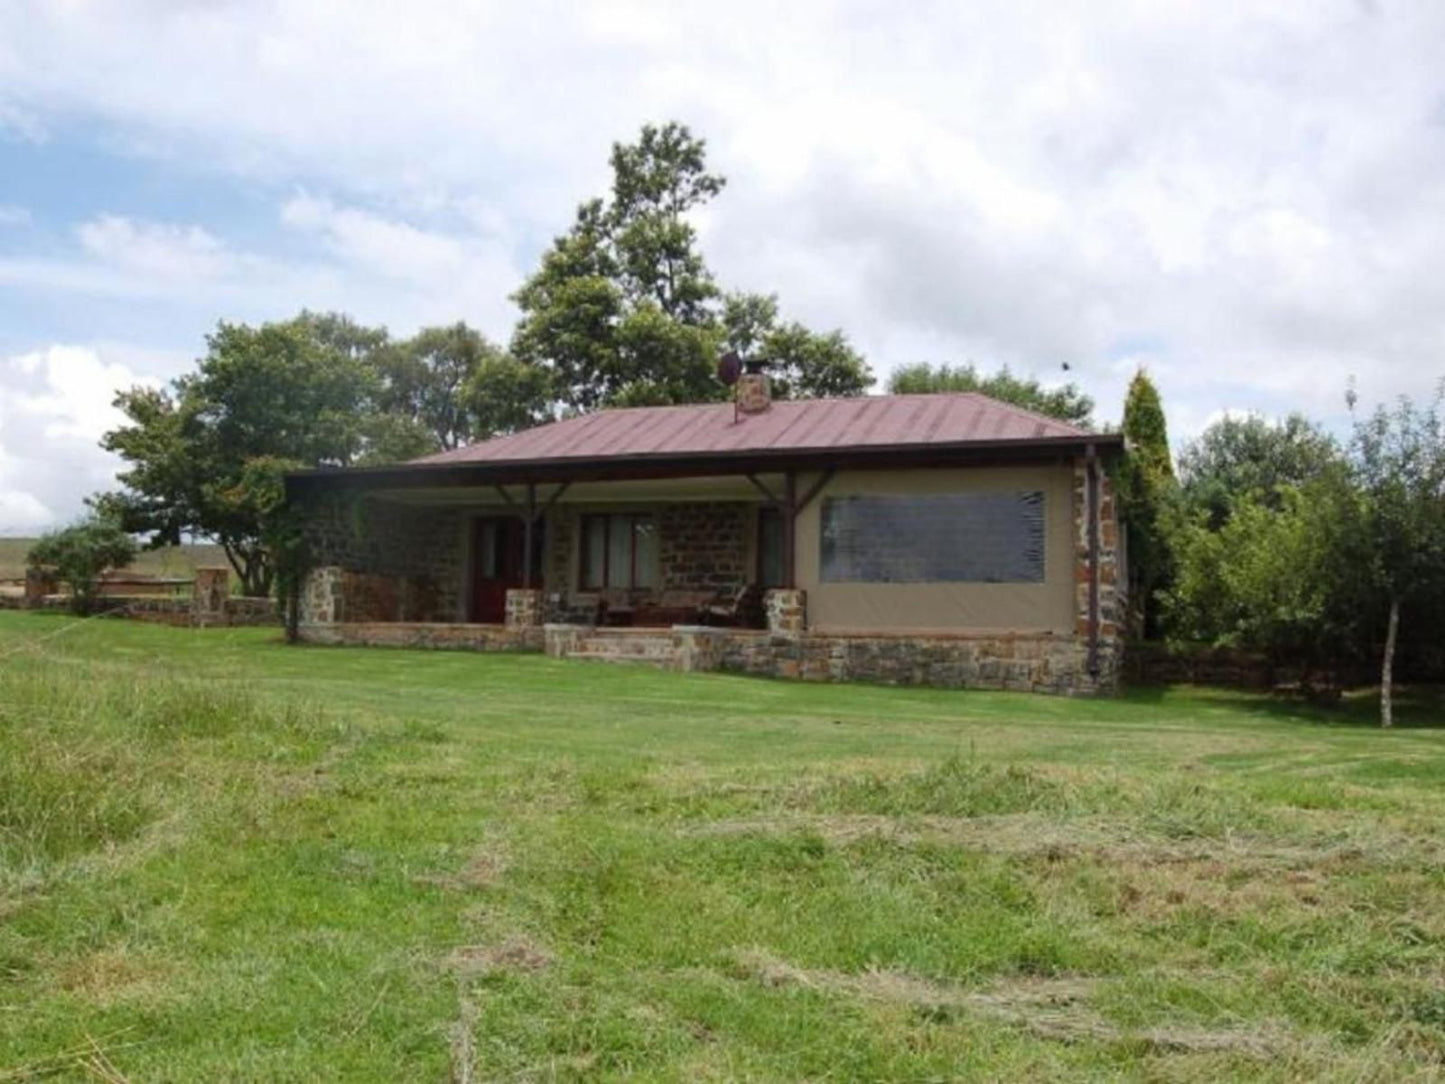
[702, 546]
[1024, 663]
[705, 546]
[425, 547]
[1032, 663]
[1111, 587]
[436, 635]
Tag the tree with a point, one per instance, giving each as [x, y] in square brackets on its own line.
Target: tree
[424, 382]
[1398, 458]
[1274, 576]
[624, 310]
[1252, 457]
[801, 364]
[1067, 403]
[1146, 484]
[504, 395]
[277, 392]
[81, 553]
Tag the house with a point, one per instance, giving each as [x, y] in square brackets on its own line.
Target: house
[932, 539]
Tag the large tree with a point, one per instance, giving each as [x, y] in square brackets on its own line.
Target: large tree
[1145, 486]
[624, 309]
[424, 381]
[277, 393]
[1065, 402]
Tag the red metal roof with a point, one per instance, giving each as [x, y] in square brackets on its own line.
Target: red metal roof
[796, 425]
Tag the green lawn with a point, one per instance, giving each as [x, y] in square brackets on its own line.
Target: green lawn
[225, 859]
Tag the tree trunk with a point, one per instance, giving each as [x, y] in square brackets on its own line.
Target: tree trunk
[1387, 670]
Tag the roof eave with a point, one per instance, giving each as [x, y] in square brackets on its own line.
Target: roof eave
[700, 464]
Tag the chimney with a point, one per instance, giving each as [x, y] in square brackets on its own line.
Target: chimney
[753, 394]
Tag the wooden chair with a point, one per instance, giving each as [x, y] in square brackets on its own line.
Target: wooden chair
[743, 609]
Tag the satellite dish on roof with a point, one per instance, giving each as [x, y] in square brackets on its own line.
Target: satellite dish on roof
[729, 368]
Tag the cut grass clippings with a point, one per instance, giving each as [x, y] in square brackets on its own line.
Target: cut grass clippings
[222, 858]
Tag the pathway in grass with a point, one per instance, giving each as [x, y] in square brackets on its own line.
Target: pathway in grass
[225, 858]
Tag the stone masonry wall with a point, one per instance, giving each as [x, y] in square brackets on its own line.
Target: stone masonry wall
[702, 546]
[425, 546]
[1035, 663]
[1111, 644]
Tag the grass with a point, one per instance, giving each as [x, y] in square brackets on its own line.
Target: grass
[223, 858]
[166, 561]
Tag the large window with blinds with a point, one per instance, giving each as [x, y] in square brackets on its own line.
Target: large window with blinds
[619, 549]
[934, 538]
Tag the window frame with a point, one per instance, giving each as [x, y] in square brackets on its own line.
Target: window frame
[602, 521]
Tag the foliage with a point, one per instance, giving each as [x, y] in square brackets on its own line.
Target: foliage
[1245, 457]
[1270, 577]
[82, 553]
[801, 364]
[1398, 457]
[424, 382]
[1146, 485]
[277, 393]
[624, 310]
[1067, 403]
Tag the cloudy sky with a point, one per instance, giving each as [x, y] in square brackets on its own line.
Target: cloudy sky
[1249, 199]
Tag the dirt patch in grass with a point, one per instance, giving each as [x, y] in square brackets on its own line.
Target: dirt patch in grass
[484, 869]
[1051, 1008]
[111, 975]
[516, 954]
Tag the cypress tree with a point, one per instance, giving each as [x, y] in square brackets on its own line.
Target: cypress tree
[1145, 484]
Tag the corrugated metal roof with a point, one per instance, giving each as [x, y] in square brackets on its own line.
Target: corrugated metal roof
[798, 425]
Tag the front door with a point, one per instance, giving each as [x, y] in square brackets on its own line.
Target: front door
[496, 566]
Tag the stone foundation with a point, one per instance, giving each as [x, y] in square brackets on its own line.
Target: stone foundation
[1025, 663]
[425, 634]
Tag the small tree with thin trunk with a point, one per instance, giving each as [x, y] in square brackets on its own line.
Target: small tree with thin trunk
[1398, 458]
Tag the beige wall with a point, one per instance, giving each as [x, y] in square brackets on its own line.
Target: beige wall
[994, 607]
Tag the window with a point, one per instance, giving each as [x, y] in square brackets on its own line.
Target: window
[770, 547]
[619, 550]
[944, 538]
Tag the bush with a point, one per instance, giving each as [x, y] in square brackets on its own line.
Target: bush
[81, 553]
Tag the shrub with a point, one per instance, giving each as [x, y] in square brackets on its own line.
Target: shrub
[83, 552]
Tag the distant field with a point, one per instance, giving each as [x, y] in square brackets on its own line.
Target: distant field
[170, 561]
[222, 858]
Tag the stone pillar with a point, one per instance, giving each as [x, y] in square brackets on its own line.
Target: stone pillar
[787, 610]
[209, 593]
[524, 607]
[39, 582]
[1111, 587]
[321, 596]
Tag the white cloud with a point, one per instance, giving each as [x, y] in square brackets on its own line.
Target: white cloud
[12, 215]
[375, 243]
[155, 249]
[1248, 199]
[55, 403]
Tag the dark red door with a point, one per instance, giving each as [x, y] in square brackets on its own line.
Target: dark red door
[496, 566]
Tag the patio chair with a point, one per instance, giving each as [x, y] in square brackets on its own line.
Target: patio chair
[742, 609]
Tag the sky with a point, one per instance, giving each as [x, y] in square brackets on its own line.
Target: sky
[1248, 200]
